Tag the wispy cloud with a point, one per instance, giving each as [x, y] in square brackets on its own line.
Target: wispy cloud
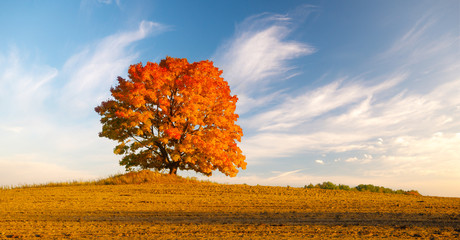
[109, 1]
[44, 118]
[364, 125]
[259, 51]
[314, 103]
[319, 161]
[89, 5]
[23, 83]
[13, 128]
[358, 116]
[30, 172]
[375, 121]
[92, 71]
[424, 46]
[284, 174]
[259, 54]
[436, 155]
[411, 39]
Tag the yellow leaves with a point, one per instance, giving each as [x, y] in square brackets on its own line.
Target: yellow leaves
[139, 132]
[175, 157]
[188, 159]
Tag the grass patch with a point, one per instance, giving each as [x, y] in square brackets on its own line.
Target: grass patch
[134, 177]
[143, 177]
[155, 177]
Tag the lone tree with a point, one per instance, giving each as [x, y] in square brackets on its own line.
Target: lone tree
[174, 115]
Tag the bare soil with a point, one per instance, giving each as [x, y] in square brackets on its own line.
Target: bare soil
[195, 210]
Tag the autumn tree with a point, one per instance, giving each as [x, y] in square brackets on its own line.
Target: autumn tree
[174, 115]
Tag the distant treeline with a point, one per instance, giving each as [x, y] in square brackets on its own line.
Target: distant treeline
[361, 188]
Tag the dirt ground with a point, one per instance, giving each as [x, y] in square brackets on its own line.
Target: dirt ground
[208, 210]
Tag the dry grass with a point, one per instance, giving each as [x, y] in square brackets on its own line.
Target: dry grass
[136, 177]
[150, 205]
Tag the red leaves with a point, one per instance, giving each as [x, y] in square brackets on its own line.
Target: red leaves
[173, 133]
[121, 114]
[179, 113]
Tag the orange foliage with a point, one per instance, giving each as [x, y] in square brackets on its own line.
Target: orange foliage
[174, 115]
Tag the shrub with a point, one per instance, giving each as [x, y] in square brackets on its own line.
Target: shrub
[328, 185]
[361, 188]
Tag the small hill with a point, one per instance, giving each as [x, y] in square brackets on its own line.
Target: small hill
[144, 177]
[150, 205]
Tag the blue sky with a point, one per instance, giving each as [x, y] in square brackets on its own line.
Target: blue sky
[345, 91]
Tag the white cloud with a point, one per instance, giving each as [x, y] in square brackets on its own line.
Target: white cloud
[88, 6]
[43, 141]
[314, 103]
[364, 126]
[284, 174]
[319, 161]
[366, 158]
[435, 155]
[352, 159]
[246, 103]
[258, 54]
[273, 145]
[405, 113]
[14, 173]
[13, 129]
[109, 2]
[24, 88]
[403, 47]
[387, 126]
[429, 49]
[92, 71]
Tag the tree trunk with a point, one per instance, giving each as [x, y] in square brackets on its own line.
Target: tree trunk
[173, 171]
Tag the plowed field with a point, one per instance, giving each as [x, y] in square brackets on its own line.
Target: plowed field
[192, 210]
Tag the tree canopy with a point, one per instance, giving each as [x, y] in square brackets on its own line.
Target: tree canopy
[174, 115]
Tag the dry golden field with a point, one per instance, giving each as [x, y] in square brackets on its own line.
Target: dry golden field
[175, 208]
